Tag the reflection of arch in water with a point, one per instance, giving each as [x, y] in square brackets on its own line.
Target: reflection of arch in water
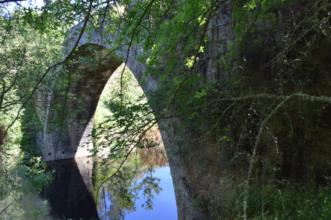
[69, 194]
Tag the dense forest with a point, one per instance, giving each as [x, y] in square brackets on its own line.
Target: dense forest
[233, 97]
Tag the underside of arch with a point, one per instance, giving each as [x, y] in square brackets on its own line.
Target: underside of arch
[74, 98]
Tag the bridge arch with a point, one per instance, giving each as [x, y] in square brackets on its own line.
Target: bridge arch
[66, 103]
[74, 98]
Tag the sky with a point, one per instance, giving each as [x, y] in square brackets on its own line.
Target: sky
[25, 3]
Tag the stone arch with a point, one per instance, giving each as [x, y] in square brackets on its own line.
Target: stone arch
[74, 99]
[66, 107]
[66, 111]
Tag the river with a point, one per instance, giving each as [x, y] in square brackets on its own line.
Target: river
[81, 190]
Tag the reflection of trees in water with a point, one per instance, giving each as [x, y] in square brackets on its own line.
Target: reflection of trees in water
[153, 157]
[118, 195]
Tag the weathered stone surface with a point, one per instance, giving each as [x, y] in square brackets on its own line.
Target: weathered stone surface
[220, 33]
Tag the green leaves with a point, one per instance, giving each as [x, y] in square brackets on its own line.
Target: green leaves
[200, 94]
[251, 5]
[122, 116]
[271, 202]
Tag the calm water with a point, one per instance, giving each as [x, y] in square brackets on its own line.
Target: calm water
[126, 197]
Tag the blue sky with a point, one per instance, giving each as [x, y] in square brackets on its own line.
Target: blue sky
[25, 3]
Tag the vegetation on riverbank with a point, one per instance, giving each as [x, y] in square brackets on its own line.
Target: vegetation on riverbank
[252, 96]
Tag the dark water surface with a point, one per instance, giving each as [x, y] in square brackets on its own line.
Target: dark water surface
[72, 194]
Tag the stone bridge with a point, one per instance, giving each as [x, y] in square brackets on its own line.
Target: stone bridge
[67, 100]
[66, 111]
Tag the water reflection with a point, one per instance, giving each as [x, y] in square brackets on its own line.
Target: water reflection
[164, 204]
[153, 196]
[68, 194]
[141, 190]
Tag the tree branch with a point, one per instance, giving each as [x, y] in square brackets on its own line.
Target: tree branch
[49, 69]
[10, 1]
[130, 45]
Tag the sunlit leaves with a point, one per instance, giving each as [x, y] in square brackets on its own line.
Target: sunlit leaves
[189, 62]
[250, 5]
[121, 119]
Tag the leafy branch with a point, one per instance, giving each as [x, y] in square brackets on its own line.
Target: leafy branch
[52, 67]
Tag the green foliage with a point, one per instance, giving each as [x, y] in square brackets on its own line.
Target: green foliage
[122, 116]
[29, 44]
[270, 202]
[277, 56]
